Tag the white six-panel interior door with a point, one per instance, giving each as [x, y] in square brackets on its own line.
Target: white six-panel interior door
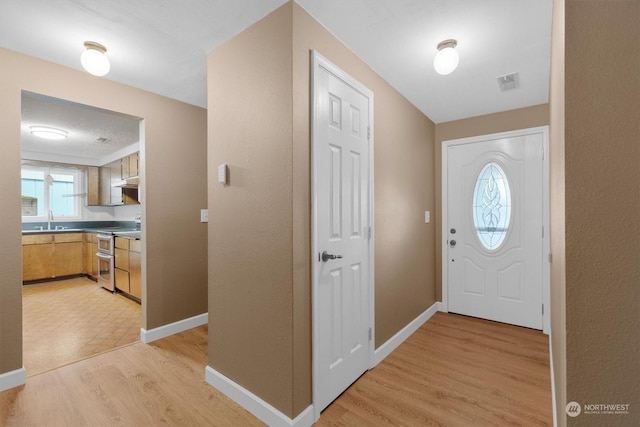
[495, 227]
[342, 219]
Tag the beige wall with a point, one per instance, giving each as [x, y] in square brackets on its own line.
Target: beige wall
[602, 205]
[521, 118]
[250, 232]
[174, 158]
[259, 251]
[558, 340]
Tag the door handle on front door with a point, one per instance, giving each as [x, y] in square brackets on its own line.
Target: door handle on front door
[452, 243]
[326, 256]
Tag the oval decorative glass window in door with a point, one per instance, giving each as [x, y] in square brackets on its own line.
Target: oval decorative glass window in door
[492, 206]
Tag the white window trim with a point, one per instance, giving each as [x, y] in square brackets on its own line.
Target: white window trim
[78, 186]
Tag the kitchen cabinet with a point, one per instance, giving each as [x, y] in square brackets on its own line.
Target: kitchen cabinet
[37, 257]
[130, 165]
[93, 186]
[129, 170]
[128, 266]
[46, 256]
[130, 196]
[134, 164]
[104, 186]
[67, 254]
[135, 268]
[100, 189]
[90, 257]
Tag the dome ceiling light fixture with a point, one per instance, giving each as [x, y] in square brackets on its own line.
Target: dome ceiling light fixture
[48, 132]
[94, 59]
[447, 58]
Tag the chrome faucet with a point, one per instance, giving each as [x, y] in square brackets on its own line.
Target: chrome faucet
[49, 219]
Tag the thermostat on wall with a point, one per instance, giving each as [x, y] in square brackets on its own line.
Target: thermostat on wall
[222, 174]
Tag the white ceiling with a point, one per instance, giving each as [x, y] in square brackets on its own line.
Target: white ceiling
[95, 137]
[399, 38]
[161, 45]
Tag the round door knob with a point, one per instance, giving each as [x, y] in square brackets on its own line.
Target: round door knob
[452, 243]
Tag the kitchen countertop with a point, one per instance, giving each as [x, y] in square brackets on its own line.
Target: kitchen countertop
[131, 233]
[66, 230]
[135, 235]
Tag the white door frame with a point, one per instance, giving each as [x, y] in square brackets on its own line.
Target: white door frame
[546, 281]
[319, 62]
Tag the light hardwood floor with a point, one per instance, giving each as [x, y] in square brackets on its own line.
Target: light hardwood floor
[454, 371]
[138, 385]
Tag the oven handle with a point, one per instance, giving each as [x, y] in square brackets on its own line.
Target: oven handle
[104, 236]
[104, 256]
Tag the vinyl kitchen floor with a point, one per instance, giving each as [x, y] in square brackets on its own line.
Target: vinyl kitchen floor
[70, 320]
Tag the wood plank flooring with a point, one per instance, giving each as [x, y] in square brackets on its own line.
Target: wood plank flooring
[454, 371]
[138, 385]
[69, 320]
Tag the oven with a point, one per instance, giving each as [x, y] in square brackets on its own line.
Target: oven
[106, 258]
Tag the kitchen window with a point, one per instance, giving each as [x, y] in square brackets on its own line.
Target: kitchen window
[51, 189]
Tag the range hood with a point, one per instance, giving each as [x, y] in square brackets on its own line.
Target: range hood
[131, 182]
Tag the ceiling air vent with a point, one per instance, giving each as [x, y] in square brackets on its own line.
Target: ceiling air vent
[102, 140]
[508, 81]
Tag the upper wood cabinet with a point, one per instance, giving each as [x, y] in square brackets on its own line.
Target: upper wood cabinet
[100, 180]
[130, 165]
[93, 186]
[104, 186]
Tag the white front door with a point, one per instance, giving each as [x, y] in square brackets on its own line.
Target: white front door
[494, 228]
[342, 279]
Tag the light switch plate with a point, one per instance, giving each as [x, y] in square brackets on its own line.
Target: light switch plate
[427, 217]
[204, 215]
[222, 174]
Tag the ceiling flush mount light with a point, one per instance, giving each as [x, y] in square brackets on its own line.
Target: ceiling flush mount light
[48, 133]
[447, 58]
[94, 59]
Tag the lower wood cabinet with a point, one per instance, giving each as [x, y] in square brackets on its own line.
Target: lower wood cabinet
[67, 259]
[37, 261]
[135, 269]
[127, 266]
[90, 257]
[46, 256]
[122, 280]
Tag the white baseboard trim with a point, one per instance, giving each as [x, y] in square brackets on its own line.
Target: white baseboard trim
[13, 379]
[554, 405]
[173, 328]
[392, 343]
[252, 403]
